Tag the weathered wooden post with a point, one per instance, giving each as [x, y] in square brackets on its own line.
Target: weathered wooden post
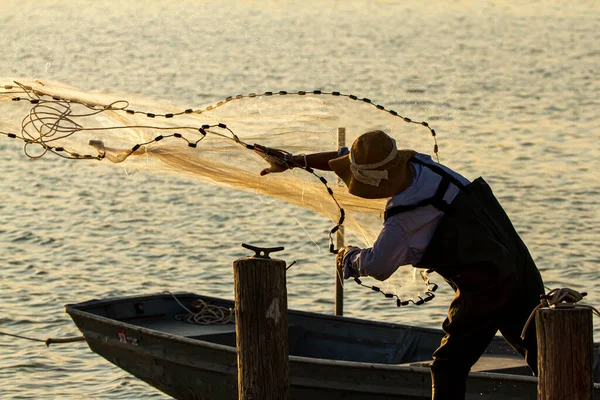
[261, 326]
[339, 238]
[565, 352]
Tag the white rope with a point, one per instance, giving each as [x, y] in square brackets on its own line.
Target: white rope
[48, 341]
[555, 298]
[206, 314]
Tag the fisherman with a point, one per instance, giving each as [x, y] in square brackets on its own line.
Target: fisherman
[438, 220]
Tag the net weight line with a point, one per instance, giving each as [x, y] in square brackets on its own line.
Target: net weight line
[35, 95]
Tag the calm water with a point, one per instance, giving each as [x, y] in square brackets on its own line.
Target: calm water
[511, 88]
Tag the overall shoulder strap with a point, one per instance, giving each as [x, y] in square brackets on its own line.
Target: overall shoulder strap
[440, 171]
[437, 200]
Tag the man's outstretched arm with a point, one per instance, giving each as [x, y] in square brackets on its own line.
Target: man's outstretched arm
[280, 161]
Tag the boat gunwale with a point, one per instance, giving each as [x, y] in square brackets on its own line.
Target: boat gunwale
[74, 309]
[312, 315]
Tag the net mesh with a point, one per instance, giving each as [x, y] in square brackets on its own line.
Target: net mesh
[213, 143]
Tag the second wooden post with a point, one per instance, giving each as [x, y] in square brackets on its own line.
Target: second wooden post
[565, 353]
[261, 327]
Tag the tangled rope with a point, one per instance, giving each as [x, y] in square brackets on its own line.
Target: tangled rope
[204, 313]
[556, 298]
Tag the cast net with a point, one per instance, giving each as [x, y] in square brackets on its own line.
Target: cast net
[214, 144]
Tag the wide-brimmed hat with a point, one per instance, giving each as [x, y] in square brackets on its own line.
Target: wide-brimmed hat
[375, 168]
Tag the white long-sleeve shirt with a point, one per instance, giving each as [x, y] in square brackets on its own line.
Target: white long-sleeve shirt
[405, 236]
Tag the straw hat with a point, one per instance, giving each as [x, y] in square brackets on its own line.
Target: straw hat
[375, 168]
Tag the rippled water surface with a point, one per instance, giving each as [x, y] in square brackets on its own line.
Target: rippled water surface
[512, 89]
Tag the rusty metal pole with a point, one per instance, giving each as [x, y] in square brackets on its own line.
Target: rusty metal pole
[339, 238]
[261, 326]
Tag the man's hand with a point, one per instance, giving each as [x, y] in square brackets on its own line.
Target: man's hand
[276, 159]
[349, 272]
[339, 258]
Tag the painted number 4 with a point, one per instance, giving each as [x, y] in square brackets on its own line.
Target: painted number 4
[273, 311]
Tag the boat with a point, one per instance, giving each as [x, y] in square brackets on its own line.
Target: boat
[330, 357]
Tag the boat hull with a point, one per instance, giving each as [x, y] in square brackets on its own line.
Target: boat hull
[186, 367]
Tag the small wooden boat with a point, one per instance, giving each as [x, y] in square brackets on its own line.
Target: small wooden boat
[330, 357]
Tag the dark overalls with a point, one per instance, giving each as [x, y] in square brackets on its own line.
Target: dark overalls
[478, 252]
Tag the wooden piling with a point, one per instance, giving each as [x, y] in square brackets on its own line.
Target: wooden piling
[339, 238]
[565, 353]
[261, 328]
